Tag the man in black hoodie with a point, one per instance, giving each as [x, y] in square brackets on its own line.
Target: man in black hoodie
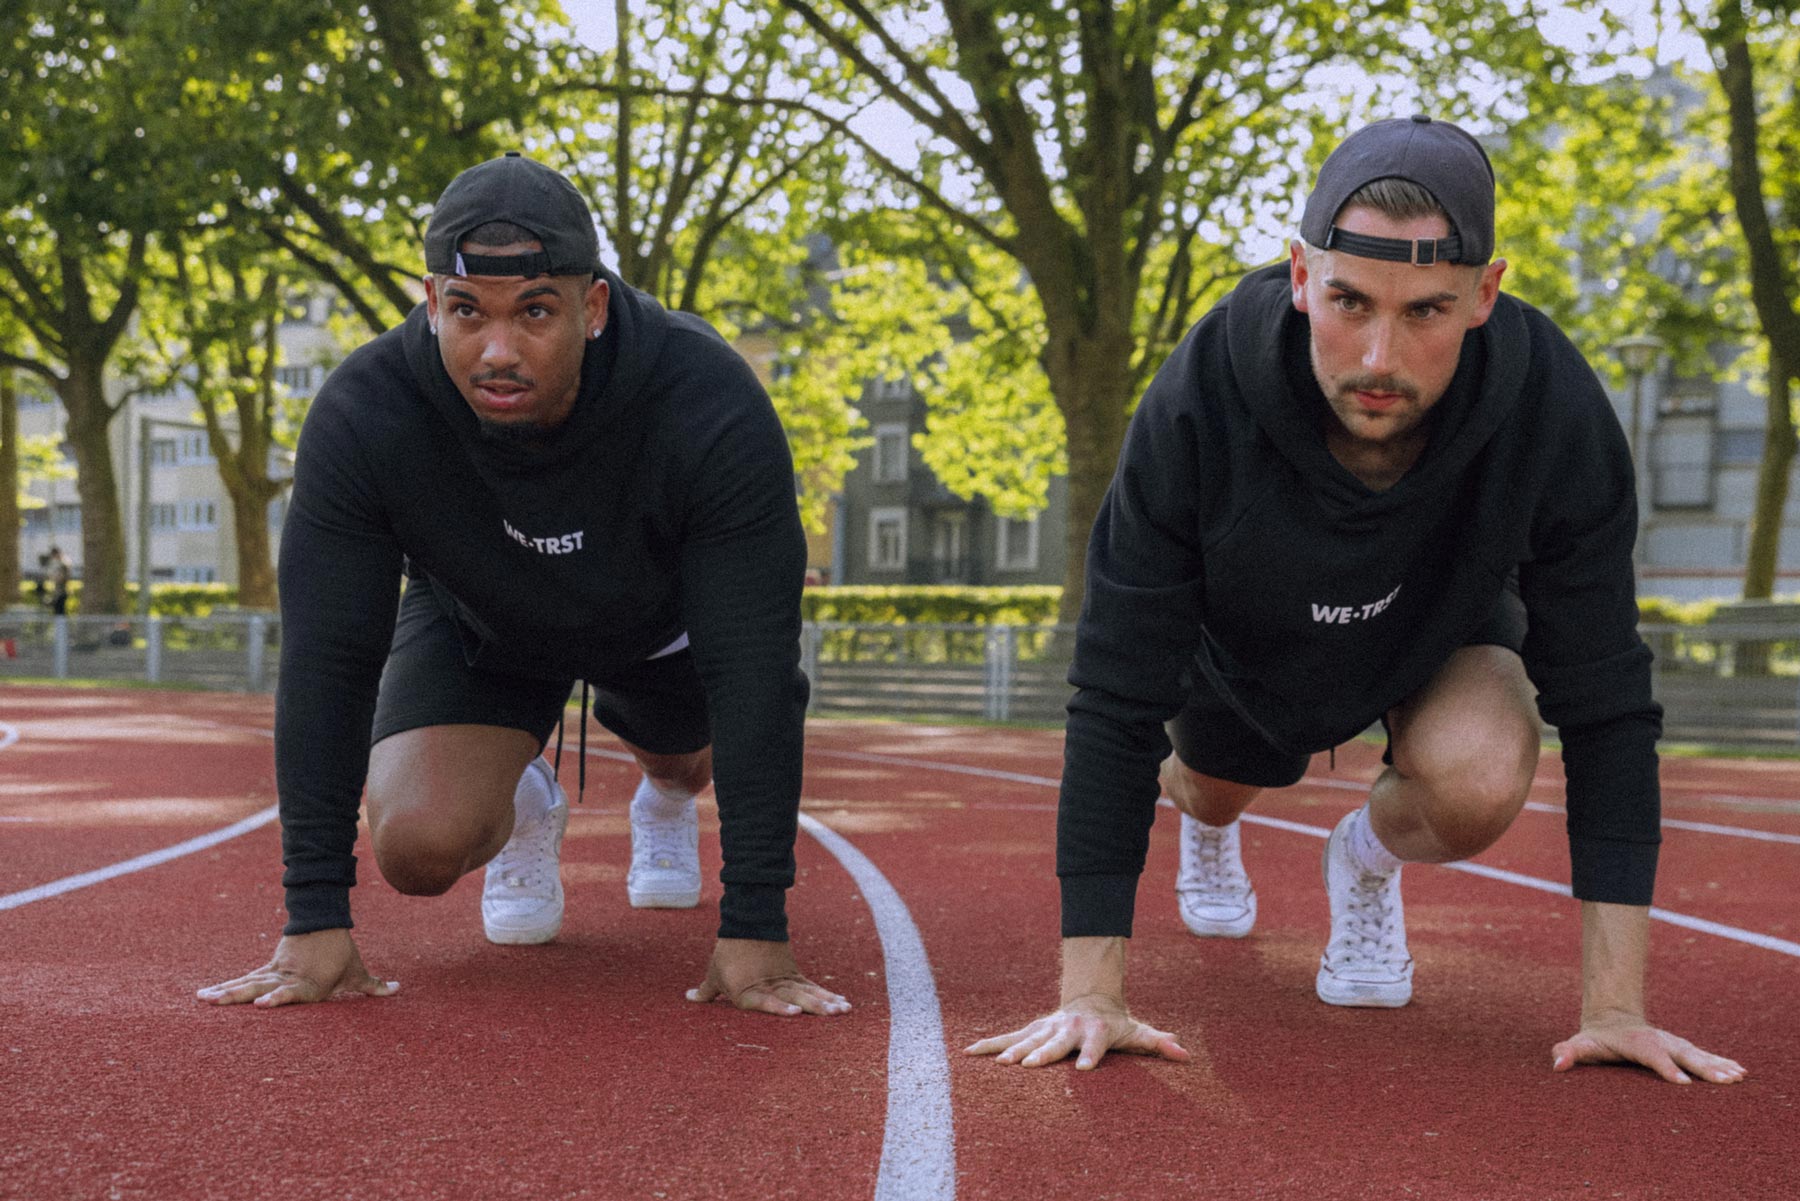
[576, 484]
[1367, 486]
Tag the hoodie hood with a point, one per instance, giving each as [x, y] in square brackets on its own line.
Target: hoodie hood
[1270, 363]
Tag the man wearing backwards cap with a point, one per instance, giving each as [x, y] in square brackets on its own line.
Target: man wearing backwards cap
[1367, 486]
[576, 484]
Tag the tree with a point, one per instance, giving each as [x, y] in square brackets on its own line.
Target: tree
[77, 216]
[1113, 152]
[1764, 179]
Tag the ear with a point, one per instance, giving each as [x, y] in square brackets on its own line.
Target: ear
[431, 302]
[598, 304]
[1487, 292]
[1297, 272]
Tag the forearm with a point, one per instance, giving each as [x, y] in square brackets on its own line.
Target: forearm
[1093, 967]
[1615, 949]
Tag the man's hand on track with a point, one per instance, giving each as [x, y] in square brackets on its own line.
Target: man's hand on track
[1090, 1026]
[763, 976]
[1632, 1040]
[305, 967]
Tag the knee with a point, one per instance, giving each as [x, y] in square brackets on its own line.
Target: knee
[1476, 786]
[421, 858]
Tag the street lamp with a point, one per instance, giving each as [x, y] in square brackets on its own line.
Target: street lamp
[1637, 354]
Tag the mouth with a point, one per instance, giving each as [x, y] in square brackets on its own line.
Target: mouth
[501, 396]
[1378, 402]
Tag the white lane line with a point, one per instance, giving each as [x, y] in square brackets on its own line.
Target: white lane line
[918, 1149]
[918, 1144]
[1678, 823]
[153, 859]
[1751, 937]
[8, 735]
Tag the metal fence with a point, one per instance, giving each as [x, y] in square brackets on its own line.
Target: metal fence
[1735, 684]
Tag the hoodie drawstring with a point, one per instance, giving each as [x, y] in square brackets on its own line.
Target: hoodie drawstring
[581, 754]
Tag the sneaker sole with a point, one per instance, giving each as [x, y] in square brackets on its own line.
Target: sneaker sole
[663, 900]
[529, 937]
[1202, 927]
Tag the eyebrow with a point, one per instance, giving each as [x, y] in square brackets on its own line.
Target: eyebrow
[529, 294]
[1355, 293]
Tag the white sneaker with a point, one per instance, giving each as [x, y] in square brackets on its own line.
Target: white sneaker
[522, 901]
[1366, 962]
[665, 858]
[1212, 889]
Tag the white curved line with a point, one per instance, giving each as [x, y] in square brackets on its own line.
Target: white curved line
[918, 1149]
[8, 735]
[153, 859]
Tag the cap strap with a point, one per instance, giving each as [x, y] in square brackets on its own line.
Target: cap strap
[537, 262]
[1421, 253]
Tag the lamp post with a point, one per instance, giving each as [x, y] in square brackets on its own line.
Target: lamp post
[1637, 354]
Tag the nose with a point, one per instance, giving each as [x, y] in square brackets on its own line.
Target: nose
[498, 352]
[1378, 354]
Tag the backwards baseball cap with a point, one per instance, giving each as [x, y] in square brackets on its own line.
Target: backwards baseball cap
[530, 196]
[1438, 157]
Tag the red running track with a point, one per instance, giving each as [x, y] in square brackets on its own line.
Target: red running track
[577, 1069]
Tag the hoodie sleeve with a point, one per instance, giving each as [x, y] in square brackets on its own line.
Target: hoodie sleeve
[1140, 622]
[340, 580]
[743, 562]
[1582, 648]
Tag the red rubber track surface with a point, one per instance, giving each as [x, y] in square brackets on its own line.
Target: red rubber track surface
[578, 1070]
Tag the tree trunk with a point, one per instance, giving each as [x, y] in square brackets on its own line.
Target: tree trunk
[9, 489]
[102, 533]
[256, 574]
[1089, 379]
[1772, 479]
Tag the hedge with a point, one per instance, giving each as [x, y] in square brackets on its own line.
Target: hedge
[166, 600]
[936, 605]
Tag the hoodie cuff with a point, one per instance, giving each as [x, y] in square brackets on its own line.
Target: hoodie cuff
[757, 911]
[313, 907]
[1098, 906]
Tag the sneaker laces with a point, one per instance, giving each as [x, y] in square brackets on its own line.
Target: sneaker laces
[1370, 934]
[661, 841]
[521, 862]
[1208, 868]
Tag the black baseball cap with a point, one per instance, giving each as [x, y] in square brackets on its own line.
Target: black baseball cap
[1436, 155]
[526, 193]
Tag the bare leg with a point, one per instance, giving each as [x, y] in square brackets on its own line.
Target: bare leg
[1206, 799]
[440, 801]
[1465, 748]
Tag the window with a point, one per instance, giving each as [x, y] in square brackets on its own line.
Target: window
[890, 454]
[1016, 544]
[297, 379]
[193, 449]
[887, 539]
[195, 575]
[197, 515]
[893, 389]
[66, 519]
[37, 521]
[950, 547]
[162, 516]
[162, 452]
[1740, 448]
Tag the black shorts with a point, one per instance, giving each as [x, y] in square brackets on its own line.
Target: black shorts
[1209, 737]
[657, 705]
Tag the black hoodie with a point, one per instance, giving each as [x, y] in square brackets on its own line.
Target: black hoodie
[1233, 548]
[665, 504]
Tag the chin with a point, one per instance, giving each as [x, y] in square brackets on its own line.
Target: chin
[518, 431]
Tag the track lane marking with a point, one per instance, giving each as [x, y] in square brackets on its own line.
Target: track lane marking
[1766, 942]
[918, 1146]
[153, 859]
[918, 1142]
[8, 735]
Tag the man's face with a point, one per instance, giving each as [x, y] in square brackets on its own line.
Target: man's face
[514, 344]
[1386, 336]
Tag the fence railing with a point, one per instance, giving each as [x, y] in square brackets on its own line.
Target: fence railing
[1730, 684]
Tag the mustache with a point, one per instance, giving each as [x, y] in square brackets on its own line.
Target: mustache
[502, 377]
[1378, 383]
